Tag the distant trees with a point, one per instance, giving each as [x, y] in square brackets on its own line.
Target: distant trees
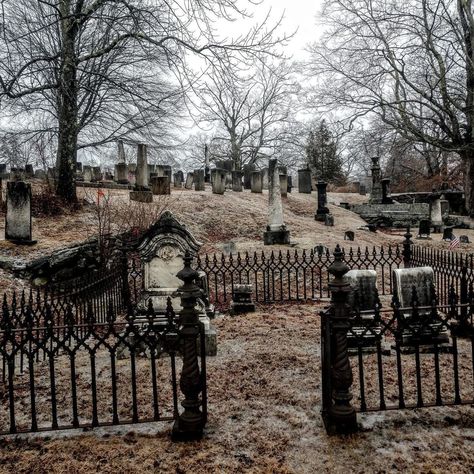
[408, 62]
[93, 71]
[322, 155]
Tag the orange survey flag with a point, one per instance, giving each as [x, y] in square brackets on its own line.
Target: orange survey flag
[100, 194]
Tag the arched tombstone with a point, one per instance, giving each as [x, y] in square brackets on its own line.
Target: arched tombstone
[414, 294]
[162, 250]
[349, 235]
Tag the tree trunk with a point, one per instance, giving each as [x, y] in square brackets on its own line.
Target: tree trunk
[468, 164]
[67, 108]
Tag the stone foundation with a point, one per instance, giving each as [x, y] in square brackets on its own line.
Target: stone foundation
[276, 237]
[392, 215]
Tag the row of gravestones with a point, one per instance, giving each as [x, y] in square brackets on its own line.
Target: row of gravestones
[412, 287]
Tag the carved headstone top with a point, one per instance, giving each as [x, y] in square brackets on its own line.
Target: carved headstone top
[166, 238]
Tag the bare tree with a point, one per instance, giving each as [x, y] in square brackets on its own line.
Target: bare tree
[409, 62]
[95, 70]
[248, 108]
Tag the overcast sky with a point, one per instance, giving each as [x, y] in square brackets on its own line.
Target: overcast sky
[299, 14]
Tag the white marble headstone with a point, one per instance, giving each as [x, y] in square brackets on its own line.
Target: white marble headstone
[422, 278]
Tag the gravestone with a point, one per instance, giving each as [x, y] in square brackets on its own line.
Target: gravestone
[248, 170]
[151, 171]
[321, 249]
[414, 287]
[464, 239]
[448, 233]
[199, 182]
[265, 178]
[189, 180]
[96, 174]
[376, 194]
[178, 178]
[256, 185]
[162, 250]
[87, 173]
[349, 235]
[386, 199]
[290, 183]
[242, 300]
[141, 191]
[237, 181]
[439, 210]
[284, 185]
[329, 220]
[218, 180]
[120, 152]
[160, 185]
[164, 170]
[121, 173]
[276, 232]
[322, 209]
[29, 171]
[364, 299]
[424, 229]
[304, 181]
[18, 217]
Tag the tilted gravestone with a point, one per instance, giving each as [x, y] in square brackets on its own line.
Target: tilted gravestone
[414, 289]
[218, 180]
[18, 228]
[322, 209]
[464, 239]
[237, 181]
[284, 185]
[189, 180]
[162, 250]
[199, 180]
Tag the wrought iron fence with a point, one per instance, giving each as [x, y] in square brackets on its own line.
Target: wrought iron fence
[393, 358]
[96, 373]
[298, 275]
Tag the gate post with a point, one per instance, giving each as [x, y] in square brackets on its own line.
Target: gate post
[341, 416]
[407, 250]
[125, 290]
[190, 423]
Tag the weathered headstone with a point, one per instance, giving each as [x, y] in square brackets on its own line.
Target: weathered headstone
[322, 209]
[424, 229]
[199, 182]
[178, 179]
[141, 191]
[349, 235]
[304, 181]
[448, 233]
[284, 185]
[237, 181]
[218, 180]
[189, 180]
[256, 184]
[414, 289]
[464, 239]
[160, 185]
[121, 173]
[276, 232]
[329, 220]
[386, 199]
[29, 171]
[87, 173]
[376, 195]
[162, 250]
[265, 178]
[242, 300]
[18, 228]
[248, 170]
[96, 174]
[364, 300]
[289, 183]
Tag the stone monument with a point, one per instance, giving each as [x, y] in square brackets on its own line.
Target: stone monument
[322, 209]
[218, 180]
[199, 180]
[18, 217]
[162, 250]
[160, 185]
[237, 181]
[304, 181]
[276, 232]
[256, 182]
[376, 196]
[141, 191]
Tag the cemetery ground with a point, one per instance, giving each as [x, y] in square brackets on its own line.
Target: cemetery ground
[264, 384]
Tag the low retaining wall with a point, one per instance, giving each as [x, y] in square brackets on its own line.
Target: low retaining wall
[392, 215]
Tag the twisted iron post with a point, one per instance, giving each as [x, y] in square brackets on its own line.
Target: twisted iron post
[190, 423]
[341, 416]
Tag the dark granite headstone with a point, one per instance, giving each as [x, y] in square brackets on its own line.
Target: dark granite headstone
[304, 181]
